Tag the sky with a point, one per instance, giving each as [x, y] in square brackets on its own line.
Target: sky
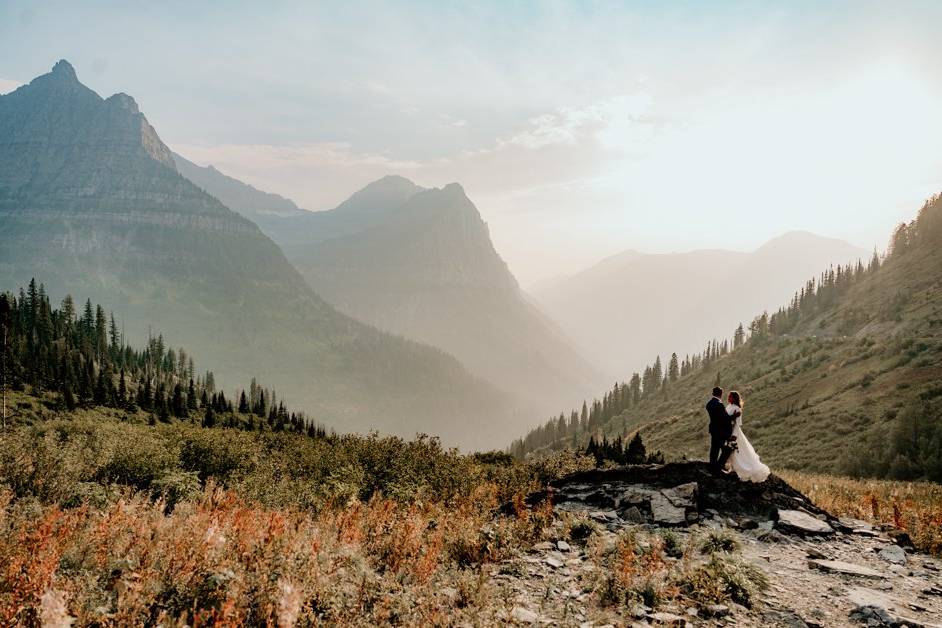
[579, 129]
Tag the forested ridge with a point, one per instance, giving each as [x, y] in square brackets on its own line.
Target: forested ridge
[83, 357]
[853, 359]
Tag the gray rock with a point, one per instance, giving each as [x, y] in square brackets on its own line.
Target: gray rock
[684, 495]
[632, 515]
[893, 554]
[555, 563]
[604, 515]
[563, 546]
[839, 566]
[543, 546]
[717, 610]
[639, 611]
[855, 524]
[666, 618]
[636, 495]
[814, 553]
[872, 616]
[802, 523]
[524, 615]
[783, 618]
[665, 512]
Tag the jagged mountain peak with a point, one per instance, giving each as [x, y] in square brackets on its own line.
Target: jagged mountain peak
[385, 193]
[64, 71]
[123, 101]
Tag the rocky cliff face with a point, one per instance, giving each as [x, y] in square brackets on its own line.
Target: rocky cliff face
[91, 203]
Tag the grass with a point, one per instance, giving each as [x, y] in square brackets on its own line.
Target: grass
[106, 520]
[912, 506]
[222, 560]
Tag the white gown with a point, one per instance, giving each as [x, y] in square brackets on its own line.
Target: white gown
[745, 461]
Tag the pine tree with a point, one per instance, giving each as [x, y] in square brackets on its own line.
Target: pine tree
[209, 417]
[191, 394]
[673, 369]
[635, 453]
[739, 337]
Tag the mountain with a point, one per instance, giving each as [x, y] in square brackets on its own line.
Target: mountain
[91, 202]
[367, 208]
[844, 378]
[234, 194]
[420, 263]
[630, 307]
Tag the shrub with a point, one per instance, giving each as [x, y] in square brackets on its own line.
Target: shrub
[724, 579]
[176, 486]
[717, 542]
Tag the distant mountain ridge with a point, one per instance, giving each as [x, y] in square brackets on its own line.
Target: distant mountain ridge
[91, 202]
[632, 306]
[240, 197]
[420, 263]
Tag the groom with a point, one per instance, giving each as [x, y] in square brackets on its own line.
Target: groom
[721, 430]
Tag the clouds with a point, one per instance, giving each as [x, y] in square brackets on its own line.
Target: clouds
[8, 85]
[579, 129]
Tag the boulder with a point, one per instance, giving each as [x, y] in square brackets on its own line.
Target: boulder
[893, 554]
[632, 515]
[796, 521]
[663, 511]
[872, 616]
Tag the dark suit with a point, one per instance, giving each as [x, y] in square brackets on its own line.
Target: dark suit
[721, 428]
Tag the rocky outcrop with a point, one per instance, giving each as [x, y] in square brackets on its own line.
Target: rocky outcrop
[680, 494]
[820, 570]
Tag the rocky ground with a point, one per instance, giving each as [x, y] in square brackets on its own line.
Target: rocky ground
[820, 570]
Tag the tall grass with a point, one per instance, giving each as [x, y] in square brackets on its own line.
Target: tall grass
[912, 506]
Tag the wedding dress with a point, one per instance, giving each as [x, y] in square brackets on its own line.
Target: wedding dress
[745, 461]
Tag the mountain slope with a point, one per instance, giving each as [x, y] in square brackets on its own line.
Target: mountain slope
[90, 201]
[845, 379]
[631, 307]
[427, 270]
[240, 197]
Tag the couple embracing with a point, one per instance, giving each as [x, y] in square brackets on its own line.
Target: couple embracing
[730, 450]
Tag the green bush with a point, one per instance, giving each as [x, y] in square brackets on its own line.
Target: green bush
[176, 486]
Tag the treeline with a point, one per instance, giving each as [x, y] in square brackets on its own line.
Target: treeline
[621, 451]
[83, 356]
[655, 381]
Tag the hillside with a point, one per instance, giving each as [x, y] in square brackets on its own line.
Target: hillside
[91, 203]
[845, 378]
[633, 306]
[427, 269]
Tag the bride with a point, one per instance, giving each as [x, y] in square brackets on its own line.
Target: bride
[744, 459]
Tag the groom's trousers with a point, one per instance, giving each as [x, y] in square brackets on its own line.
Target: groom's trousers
[716, 450]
